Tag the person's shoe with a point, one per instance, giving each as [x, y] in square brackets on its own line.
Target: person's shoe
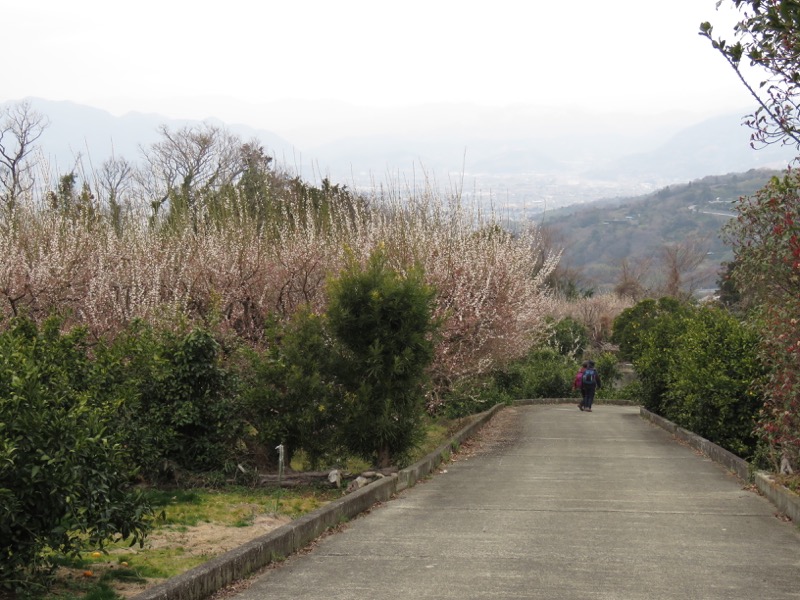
[587, 409]
[580, 406]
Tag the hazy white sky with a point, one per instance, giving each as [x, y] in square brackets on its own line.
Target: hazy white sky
[186, 59]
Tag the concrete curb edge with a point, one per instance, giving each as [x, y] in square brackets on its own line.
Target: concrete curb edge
[574, 401]
[786, 501]
[206, 579]
[410, 475]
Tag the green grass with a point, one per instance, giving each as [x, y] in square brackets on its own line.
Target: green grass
[95, 575]
[436, 433]
[183, 509]
[234, 506]
[128, 575]
[102, 591]
[71, 562]
[160, 563]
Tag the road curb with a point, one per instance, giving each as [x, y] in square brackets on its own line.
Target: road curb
[575, 400]
[409, 476]
[203, 581]
[786, 501]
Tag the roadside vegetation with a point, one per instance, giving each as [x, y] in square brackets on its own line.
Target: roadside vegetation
[172, 330]
[173, 323]
[178, 344]
[193, 526]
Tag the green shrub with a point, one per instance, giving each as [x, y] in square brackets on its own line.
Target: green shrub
[179, 407]
[696, 367]
[654, 334]
[382, 323]
[631, 391]
[543, 373]
[290, 392]
[765, 238]
[64, 475]
[633, 323]
[472, 396]
[607, 366]
[569, 337]
[710, 391]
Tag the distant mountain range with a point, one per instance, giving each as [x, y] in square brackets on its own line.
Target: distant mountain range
[76, 130]
[516, 156]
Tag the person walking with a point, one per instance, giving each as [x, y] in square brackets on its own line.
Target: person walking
[590, 383]
[577, 384]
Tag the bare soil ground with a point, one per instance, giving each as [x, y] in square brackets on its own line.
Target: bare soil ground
[203, 540]
[210, 540]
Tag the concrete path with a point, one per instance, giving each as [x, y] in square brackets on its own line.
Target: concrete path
[558, 504]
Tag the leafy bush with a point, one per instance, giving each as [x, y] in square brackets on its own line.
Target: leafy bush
[635, 322]
[710, 392]
[472, 396]
[193, 396]
[607, 366]
[631, 391]
[766, 243]
[696, 367]
[383, 324]
[290, 391]
[64, 476]
[178, 405]
[646, 334]
[543, 373]
[569, 337]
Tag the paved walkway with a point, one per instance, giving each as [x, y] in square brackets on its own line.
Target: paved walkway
[558, 504]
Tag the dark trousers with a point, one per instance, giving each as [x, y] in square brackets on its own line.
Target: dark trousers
[588, 395]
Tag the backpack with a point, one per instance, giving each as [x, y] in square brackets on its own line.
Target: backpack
[589, 377]
[578, 382]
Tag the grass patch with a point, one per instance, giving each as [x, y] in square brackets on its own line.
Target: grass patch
[105, 575]
[185, 511]
[161, 498]
[437, 432]
[71, 562]
[235, 506]
[791, 482]
[160, 563]
[142, 567]
[126, 574]
[300, 463]
[101, 592]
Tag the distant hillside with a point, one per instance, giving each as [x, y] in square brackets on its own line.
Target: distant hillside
[715, 146]
[598, 236]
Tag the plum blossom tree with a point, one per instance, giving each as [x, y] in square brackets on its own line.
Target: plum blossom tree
[20, 128]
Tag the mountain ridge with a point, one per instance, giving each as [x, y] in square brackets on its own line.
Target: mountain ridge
[515, 155]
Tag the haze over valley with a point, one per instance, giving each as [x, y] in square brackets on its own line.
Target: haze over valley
[522, 159]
